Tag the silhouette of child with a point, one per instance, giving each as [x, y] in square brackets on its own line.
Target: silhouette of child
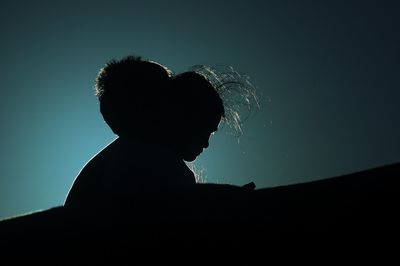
[161, 121]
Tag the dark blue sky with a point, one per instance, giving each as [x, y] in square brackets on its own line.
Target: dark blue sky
[328, 72]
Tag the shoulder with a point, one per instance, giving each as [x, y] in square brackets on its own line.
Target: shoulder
[87, 184]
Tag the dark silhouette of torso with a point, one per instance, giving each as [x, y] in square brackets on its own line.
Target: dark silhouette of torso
[127, 170]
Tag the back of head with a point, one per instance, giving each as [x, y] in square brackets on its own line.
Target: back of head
[129, 92]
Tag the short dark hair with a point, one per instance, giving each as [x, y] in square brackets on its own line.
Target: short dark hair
[128, 86]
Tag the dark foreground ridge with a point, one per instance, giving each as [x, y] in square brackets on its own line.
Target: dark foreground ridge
[355, 211]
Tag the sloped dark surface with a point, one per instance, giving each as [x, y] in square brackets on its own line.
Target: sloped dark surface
[358, 210]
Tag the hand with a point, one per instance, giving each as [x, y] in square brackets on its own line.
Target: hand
[250, 185]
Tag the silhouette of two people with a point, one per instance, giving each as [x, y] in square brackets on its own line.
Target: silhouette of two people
[161, 120]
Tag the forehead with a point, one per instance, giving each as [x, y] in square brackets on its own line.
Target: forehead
[214, 124]
[208, 120]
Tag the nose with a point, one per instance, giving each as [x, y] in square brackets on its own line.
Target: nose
[206, 141]
[206, 144]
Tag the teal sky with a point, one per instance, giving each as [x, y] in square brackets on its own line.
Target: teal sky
[328, 72]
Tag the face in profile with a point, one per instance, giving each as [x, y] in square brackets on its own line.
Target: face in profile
[197, 112]
[195, 138]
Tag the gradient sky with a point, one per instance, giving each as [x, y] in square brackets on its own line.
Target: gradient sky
[329, 73]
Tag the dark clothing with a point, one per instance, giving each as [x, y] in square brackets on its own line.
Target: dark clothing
[127, 169]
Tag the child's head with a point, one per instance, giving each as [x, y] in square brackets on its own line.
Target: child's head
[128, 90]
[197, 110]
[142, 99]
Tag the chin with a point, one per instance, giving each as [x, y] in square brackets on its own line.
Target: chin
[189, 158]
